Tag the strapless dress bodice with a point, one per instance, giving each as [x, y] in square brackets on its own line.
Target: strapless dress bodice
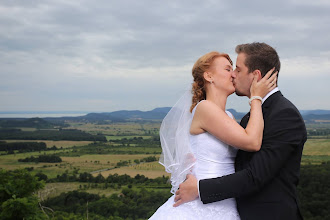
[213, 157]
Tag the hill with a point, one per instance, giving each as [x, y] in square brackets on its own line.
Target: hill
[315, 112]
[27, 123]
[157, 113]
[310, 116]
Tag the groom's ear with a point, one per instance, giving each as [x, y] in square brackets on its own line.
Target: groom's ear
[258, 74]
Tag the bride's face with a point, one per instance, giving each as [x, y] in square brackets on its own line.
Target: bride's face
[222, 74]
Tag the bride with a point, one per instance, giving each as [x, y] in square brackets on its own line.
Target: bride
[196, 134]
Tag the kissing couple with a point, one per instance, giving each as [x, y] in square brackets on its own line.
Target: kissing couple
[224, 170]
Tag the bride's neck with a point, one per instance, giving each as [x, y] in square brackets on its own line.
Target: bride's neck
[220, 99]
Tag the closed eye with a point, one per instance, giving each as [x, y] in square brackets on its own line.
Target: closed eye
[228, 68]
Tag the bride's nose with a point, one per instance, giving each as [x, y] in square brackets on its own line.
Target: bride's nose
[233, 74]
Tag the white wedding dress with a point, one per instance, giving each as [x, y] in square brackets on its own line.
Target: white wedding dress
[213, 159]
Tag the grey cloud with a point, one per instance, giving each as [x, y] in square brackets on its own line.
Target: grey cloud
[51, 43]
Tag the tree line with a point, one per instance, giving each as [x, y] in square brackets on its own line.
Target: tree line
[42, 159]
[56, 135]
[106, 148]
[22, 147]
[112, 178]
[137, 161]
[323, 132]
[30, 123]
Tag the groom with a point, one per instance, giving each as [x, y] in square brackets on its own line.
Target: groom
[265, 182]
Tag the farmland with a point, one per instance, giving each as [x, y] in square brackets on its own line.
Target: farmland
[131, 142]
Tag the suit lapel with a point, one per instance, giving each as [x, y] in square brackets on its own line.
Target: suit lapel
[265, 106]
[245, 120]
[240, 158]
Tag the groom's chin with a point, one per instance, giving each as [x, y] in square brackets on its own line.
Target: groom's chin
[239, 93]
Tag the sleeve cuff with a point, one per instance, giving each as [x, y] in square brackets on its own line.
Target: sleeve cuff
[198, 189]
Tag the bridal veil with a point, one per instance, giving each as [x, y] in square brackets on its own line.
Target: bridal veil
[176, 156]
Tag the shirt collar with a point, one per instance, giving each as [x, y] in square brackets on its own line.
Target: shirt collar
[270, 93]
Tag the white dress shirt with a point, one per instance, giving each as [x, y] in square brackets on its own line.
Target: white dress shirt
[269, 94]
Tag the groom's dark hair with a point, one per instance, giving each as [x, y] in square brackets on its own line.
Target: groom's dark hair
[259, 56]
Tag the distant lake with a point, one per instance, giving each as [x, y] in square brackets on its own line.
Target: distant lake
[40, 114]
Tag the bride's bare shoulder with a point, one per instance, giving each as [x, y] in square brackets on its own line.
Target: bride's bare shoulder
[208, 107]
[204, 104]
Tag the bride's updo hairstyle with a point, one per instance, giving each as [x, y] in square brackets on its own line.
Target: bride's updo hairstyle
[202, 65]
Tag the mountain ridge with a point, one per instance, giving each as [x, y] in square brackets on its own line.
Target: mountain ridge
[160, 113]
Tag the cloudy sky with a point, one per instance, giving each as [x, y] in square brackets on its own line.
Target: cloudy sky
[107, 55]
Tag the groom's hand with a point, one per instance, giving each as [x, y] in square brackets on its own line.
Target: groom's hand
[187, 191]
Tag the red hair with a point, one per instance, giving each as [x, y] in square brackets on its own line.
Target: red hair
[202, 65]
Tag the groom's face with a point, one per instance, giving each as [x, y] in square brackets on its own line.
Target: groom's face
[242, 78]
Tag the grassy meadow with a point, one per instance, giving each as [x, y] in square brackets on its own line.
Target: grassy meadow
[316, 151]
[119, 129]
[150, 170]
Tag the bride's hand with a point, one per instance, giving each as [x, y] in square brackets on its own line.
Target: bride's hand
[265, 85]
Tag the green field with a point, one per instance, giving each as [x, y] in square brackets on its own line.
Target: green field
[316, 151]
[151, 170]
[317, 147]
[74, 159]
[85, 163]
[119, 129]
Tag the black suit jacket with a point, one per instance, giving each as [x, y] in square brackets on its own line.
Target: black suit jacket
[264, 183]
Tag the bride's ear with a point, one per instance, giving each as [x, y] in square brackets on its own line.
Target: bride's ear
[208, 76]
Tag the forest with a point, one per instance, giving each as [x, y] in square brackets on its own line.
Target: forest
[138, 202]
